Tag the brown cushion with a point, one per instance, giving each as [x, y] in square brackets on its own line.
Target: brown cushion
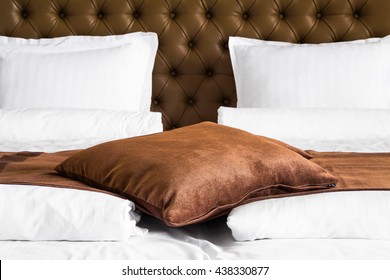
[195, 173]
[292, 148]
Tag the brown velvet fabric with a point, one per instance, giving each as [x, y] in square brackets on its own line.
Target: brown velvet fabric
[28, 168]
[354, 172]
[292, 148]
[195, 173]
[357, 171]
[193, 76]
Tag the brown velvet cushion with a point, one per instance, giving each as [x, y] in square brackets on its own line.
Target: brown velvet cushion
[195, 173]
[292, 148]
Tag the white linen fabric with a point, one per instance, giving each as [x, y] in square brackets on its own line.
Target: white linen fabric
[52, 146]
[274, 74]
[320, 129]
[211, 240]
[358, 214]
[85, 42]
[22, 129]
[45, 213]
[112, 72]
[349, 215]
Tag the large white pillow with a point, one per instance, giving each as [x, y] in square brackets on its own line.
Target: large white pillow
[320, 129]
[359, 214]
[63, 129]
[113, 72]
[45, 213]
[275, 74]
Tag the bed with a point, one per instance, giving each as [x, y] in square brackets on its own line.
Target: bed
[193, 84]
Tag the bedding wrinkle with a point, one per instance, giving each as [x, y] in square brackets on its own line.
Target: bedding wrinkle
[18, 157]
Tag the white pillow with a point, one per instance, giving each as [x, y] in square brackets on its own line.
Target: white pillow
[113, 72]
[26, 127]
[275, 74]
[76, 41]
[332, 129]
[45, 213]
[359, 214]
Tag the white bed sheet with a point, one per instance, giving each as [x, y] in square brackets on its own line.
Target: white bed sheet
[211, 240]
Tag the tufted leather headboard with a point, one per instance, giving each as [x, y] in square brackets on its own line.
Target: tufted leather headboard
[192, 74]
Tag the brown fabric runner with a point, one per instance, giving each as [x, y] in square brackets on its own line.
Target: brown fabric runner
[31, 168]
[355, 171]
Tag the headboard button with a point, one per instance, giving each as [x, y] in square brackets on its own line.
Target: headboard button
[61, 14]
[173, 73]
[245, 16]
[209, 73]
[191, 101]
[356, 15]
[155, 102]
[24, 14]
[226, 102]
[281, 16]
[100, 15]
[190, 45]
[208, 15]
[172, 15]
[136, 15]
[319, 15]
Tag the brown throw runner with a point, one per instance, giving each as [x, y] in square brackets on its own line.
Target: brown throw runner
[29, 168]
[355, 171]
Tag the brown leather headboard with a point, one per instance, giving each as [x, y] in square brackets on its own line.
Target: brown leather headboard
[193, 75]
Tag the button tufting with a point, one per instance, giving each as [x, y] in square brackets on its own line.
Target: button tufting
[297, 23]
[191, 101]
